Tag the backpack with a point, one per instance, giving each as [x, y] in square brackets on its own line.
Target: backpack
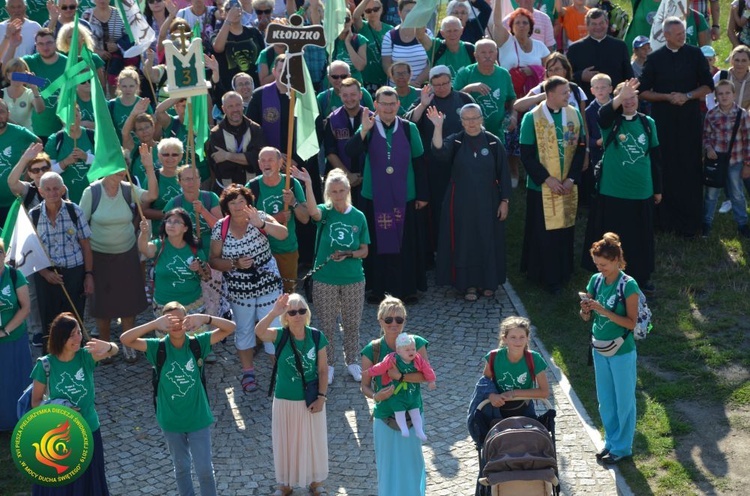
[442, 48]
[24, 401]
[36, 212]
[619, 20]
[161, 357]
[60, 138]
[32, 194]
[127, 194]
[643, 323]
[611, 139]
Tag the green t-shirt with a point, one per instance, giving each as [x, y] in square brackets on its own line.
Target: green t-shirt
[404, 102]
[385, 409]
[373, 73]
[343, 232]
[181, 401]
[120, 114]
[173, 279]
[136, 167]
[510, 376]
[271, 201]
[213, 201]
[528, 136]
[47, 122]
[13, 143]
[288, 381]
[691, 30]
[493, 105]
[75, 174]
[603, 328]
[9, 303]
[169, 187]
[416, 151]
[341, 53]
[455, 61]
[74, 381]
[328, 101]
[177, 130]
[640, 24]
[626, 171]
[87, 110]
[36, 10]
[263, 58]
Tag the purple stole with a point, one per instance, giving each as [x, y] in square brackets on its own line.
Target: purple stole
[271, 116]
[341, 129]
[389, 166]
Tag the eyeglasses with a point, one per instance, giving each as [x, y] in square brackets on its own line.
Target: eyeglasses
[263, 12]
[170, 154]
[338, 76]
[154, 1]
[374, 9]
[292, 313]
[389, 320]
[37, 170]
[174, 222]
[69, 7]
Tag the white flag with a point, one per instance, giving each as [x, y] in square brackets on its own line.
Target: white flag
[25, 252]
[138, 29]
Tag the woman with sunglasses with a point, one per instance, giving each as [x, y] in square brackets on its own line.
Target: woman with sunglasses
[34, 163]
[373, 29]
[156, 14]
[351, 48]
[170, 154]
[298, 430]
[399, 460]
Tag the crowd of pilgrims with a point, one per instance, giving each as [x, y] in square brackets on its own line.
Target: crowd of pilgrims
[423, 133]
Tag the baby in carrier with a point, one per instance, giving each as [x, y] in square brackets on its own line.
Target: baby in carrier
[406, 397]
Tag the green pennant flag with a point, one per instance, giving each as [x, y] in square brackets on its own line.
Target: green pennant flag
[199, 104]
[10, 221]
[108, 157]
[334, 20]
[72, 77]
[421, 14]
[306, 112]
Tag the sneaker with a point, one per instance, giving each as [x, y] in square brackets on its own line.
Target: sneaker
[330, 375]
[706, 231]
[725, 207]
[129, 354]
[355, 370]
[37, 340]
[744, 231]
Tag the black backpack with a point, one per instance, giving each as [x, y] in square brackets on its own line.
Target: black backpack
[36, 212]
[161, 357]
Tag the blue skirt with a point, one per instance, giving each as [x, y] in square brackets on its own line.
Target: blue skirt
[399, 461]
[15, 370]
[93, 481]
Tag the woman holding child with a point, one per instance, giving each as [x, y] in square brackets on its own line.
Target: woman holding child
[399, 460]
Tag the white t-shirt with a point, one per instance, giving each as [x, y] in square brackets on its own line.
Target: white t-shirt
[508, 58]
[28, 31]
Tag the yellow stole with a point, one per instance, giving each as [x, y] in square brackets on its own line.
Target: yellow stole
[559, 210]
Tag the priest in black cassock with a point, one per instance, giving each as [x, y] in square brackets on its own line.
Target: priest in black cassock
[471, 247]
[675, 80]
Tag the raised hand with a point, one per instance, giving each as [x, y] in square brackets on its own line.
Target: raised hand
[436, 117]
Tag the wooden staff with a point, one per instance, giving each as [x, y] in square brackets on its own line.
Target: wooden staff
[135, 196]
[290, 141]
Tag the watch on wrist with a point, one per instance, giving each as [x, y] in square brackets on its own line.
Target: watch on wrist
[689, 95]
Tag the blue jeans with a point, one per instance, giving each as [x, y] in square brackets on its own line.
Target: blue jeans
[185, 447]
[615, 390]
[735, 193]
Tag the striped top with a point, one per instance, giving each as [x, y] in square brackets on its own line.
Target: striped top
[412, 52]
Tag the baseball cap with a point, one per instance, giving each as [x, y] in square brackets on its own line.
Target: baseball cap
[708, 51]
[440, 70]
[639, 41]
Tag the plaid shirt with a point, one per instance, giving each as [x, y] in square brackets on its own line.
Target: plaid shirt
[717, 131]
[62, 240]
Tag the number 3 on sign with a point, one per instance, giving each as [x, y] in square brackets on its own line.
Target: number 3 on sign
[187, 79]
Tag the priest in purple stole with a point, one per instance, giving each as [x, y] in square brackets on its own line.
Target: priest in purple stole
[270, 108]
[393, 188]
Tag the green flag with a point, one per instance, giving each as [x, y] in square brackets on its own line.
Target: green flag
[421, 14]
[306, 112]
[108, 157]
[71, 78]
[10, 221]
[334, 18]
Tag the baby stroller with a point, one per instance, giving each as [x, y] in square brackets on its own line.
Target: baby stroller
[517, 454]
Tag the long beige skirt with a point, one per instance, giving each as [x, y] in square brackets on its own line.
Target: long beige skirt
[300, 443]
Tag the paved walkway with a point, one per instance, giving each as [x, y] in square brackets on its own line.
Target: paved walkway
[460, 333]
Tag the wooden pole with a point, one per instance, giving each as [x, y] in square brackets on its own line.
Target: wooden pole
[290, 142]
[135, 196]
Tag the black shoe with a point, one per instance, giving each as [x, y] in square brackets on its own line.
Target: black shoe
[706, 231]
[602, 454]
[37, 340]
[744, 231]
[612, 459]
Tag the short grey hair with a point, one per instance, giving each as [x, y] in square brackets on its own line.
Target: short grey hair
[449, 19]
[485, 41]
[470, 106]
[51, 176]
[228, 95]
[170, 143]
[671, 21]
[338, 63]
[459, 3]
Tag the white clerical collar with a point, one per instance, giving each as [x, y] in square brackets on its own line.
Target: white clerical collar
[673, 50]
[381, 129]
[600, 39]
[548, 114]
[629, 117]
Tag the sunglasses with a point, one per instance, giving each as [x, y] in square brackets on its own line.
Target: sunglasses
[292, 313]
[68, 7]
[389, 320]
[338, 76]
[262, 12]
[372, 10]
[154, 1]
[170, 154]
[37, 170]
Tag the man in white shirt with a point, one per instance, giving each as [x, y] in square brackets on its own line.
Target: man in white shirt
[20, 43]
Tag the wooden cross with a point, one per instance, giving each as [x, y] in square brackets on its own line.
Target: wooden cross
[295, 37]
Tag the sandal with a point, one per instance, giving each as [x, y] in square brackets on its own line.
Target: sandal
[471, 294]
[488, 293]
[283, 491]
[248, 382]
[318, 490]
